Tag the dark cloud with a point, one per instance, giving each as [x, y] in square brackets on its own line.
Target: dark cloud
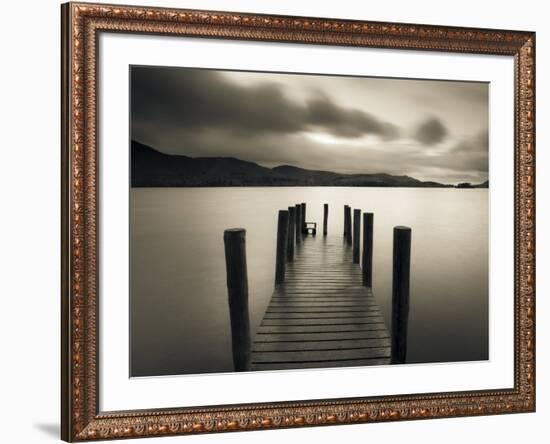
[285, 119]
[198, 99]
[473, 152]
[431, 131]
[345, 122]
[203, 99]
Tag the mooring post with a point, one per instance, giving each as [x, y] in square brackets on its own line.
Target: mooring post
[368, 225]
[348, 225]
[304, 218]
[282, 235]
[291, 233]
[298, 223]
[400, 293]
[325, 219]
[237, 289]
[345, 220]
[356, 235]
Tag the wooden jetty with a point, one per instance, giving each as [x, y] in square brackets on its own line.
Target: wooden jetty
[322, 316]
[322, 312]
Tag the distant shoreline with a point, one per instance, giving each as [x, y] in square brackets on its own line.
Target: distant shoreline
[152, 169]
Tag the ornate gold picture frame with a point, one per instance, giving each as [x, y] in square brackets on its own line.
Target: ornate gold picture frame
[82, 24]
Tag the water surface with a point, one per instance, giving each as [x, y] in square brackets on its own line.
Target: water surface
[180, 317]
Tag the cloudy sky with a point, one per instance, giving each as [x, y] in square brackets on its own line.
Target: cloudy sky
[430, 130]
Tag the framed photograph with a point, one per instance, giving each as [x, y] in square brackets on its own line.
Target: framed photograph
[273, 221]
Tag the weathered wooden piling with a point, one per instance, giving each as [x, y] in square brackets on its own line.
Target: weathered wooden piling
[304, 218]
[282, 236]
[298, 223]
[400, 293]
[325, 219]
[356, 235]
[291, 233]
[368, 225]
[237, 289]
[347, 221]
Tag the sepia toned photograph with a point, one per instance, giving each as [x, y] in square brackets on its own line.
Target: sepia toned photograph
[287, 221]
[272, 221]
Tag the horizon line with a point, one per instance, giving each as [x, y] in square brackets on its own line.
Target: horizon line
[305, 169]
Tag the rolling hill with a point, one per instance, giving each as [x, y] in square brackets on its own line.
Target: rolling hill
[151, 168]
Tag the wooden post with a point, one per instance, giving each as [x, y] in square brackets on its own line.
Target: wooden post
[237, 290]
[368, 225]
[356, 235]
[400, 293]
[298, 224]
[291, 233]
[282, 235]
[325, 219]
[347, 222]
[304, 218]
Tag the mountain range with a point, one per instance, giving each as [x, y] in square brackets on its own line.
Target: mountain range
[151, 168]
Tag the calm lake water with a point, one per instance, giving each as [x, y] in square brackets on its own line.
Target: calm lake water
[180, 317]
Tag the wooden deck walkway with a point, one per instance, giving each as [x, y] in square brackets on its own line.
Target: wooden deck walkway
[322, 315]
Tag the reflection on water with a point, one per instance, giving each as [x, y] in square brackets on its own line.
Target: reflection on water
[180, 318]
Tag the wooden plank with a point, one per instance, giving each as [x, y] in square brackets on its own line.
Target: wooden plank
[305, 277]
[320, 364]
[317, 310]
[317, 306]
[304, 297]
[342, 273]
[328, 299]
[323, 281]
[307, 329]
[314, 303]
[315, 337]
[320, 355]
[321, 290]
[296, 287]
[310, 262]
[328, 294]
[322, 321]
[316, 267]
[320, 345]
[353, 294]
[339, 272]
[311, 276]
[319, 315]
[357, 296]
[323, 285]
[305, 283]
[290, 291]
[310, 298]
[344, 278]
[299, 272]
[307, 295]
